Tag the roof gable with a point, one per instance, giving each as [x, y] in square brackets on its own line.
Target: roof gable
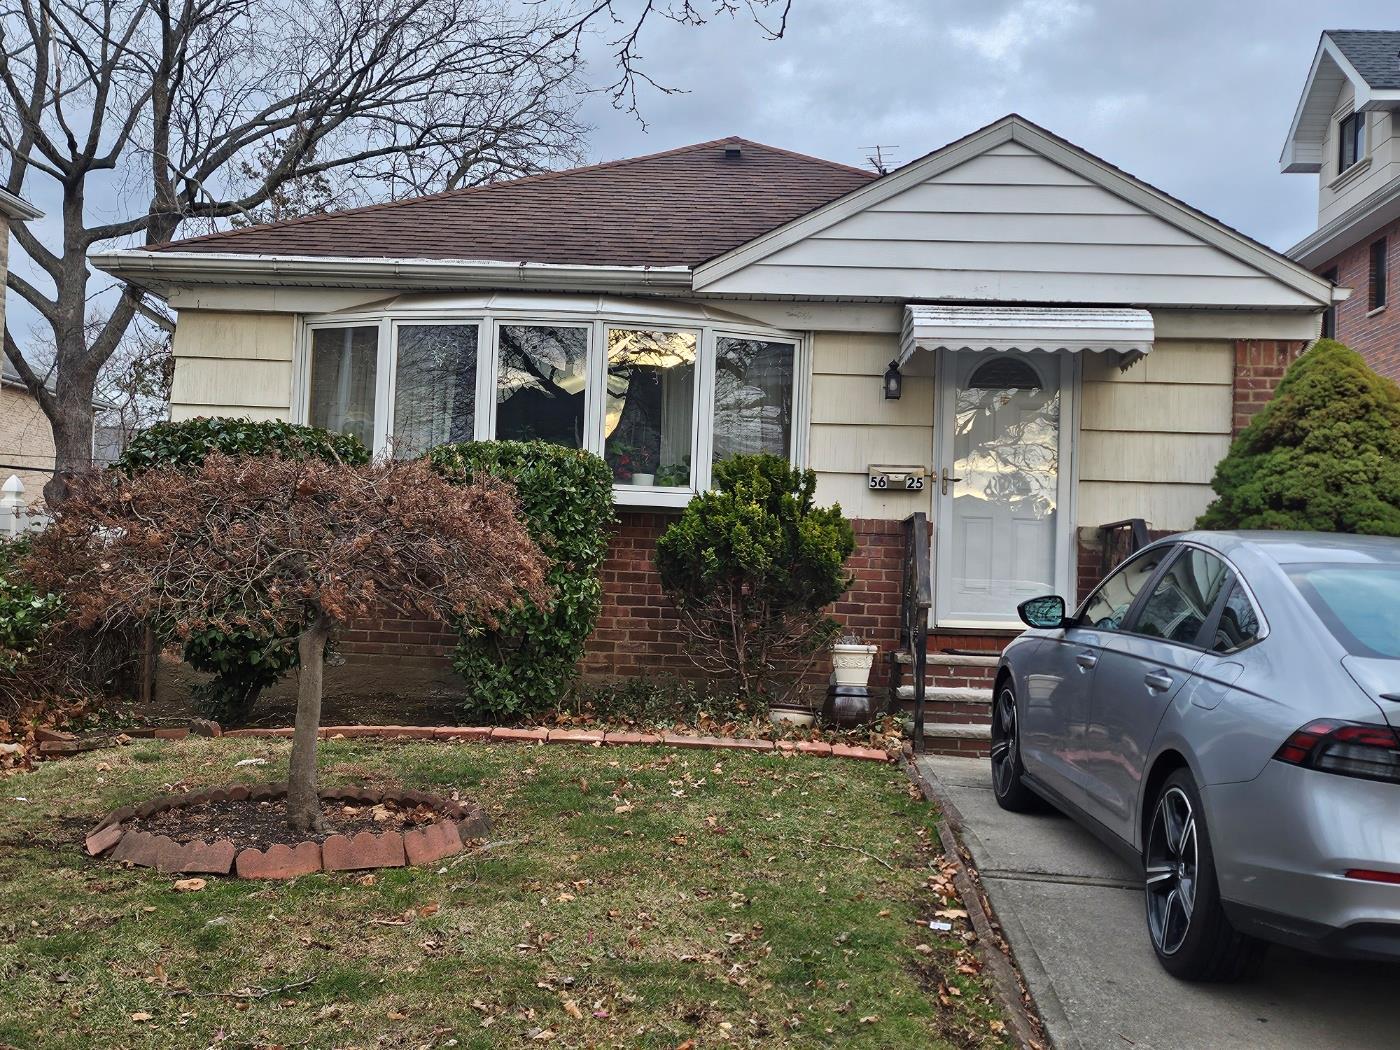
[675, 208]
[1367, 59]
[1012, 213]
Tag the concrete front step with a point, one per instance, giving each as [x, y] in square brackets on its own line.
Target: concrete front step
[952, 659]
[934, 694]
[953, 738]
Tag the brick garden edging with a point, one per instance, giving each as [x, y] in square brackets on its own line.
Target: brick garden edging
[391, 849]
[592, 737]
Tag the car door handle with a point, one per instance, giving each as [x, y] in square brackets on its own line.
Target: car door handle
[1086, 659]
[1157, 680]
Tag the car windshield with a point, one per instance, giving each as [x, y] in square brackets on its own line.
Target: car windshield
[1360, 604]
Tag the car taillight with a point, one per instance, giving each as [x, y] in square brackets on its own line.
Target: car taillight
[1353, 750]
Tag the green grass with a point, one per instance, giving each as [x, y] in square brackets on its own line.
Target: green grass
[630, 897]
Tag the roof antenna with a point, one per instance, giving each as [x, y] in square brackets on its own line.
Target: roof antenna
[877, 160]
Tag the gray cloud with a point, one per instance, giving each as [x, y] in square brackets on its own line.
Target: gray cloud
[1194, 97]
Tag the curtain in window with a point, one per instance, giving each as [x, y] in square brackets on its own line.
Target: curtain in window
[434, 386]
[343, 364]
[753, 397]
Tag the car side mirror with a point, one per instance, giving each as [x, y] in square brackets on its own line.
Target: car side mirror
[1047, 612]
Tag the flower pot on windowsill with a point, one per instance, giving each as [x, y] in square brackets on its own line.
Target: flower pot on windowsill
[796, 716]
[643, 479]
[851, 663]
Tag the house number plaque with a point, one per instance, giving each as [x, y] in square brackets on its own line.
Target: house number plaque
[898, 479]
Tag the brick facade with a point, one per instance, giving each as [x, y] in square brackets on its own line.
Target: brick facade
[1259, 365]
[1373, 334]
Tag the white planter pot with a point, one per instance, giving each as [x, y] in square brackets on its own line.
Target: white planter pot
[644, 479]
[850, 664]
[798, 717]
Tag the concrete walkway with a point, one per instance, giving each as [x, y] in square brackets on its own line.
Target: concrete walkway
[1072, 912]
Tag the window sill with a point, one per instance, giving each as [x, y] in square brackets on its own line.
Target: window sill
[1353, 172]
[1378, 310]
[645, 496]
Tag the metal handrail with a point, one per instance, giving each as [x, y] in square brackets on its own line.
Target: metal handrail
[916, 598]
[1138, 538]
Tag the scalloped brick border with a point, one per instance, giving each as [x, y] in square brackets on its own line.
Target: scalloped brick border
[365, 850]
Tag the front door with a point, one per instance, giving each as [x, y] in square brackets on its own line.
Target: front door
[1002, 479]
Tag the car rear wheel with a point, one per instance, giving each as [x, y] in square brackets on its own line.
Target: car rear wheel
[1190, 932]
[1007, 783]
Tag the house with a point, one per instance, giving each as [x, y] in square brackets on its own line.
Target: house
[26, 439]
[1072, 347]
[1345, 132]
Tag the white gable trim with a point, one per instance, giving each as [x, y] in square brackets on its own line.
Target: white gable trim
[1015, 129]
[1302, 149]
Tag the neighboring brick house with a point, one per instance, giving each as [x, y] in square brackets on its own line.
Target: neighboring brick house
[1345, 131]
[26, 439]
[1075, 347]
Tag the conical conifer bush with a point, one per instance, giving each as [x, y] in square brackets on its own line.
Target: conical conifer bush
[1323, 455]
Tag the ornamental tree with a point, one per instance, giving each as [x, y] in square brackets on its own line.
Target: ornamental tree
[287, 546]
[1323, 455]
[750, 566]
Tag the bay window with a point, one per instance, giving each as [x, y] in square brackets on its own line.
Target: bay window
[343, 366]
[661, 391]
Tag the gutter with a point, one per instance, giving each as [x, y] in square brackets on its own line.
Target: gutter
[1363, 218]
[159, 271]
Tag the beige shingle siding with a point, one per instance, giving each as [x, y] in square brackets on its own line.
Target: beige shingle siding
[233, 364]
[26, 440]
[1150, 437]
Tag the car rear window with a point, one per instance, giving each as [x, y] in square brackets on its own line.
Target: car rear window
[1360, 604]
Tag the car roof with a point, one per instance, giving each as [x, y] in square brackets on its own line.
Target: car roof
[1288, 547]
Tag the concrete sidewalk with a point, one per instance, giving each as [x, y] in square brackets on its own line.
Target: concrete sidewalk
[1072, 912]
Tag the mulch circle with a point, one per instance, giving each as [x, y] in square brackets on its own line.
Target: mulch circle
[241, 829]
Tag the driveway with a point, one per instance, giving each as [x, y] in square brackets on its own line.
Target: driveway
[1072, 912]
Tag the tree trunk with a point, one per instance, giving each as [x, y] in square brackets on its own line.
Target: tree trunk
[72, 439]
[303, 795]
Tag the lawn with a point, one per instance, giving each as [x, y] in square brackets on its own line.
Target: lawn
[628, 897]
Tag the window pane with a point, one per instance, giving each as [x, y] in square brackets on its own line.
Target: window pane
[434, 386]
[343, 363]
[541, 383]
[753, 397]
[1238, 625]
[1360, 604]
[651, 406]
[1379, 276]
[1183, 599]
[1109, 604]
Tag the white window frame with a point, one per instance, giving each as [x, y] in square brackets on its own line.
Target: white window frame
[707, 331]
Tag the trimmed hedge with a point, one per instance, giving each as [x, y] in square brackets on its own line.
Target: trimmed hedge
[1323, 455]
[25, 614]
[523, 665]
[246, 660]
[750, 566]
[185, 444]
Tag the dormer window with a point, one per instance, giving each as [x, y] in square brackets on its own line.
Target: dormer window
[1352, 132]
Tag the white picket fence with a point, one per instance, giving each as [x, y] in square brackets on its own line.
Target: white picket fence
[16, 516]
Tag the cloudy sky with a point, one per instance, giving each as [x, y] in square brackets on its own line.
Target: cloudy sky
[1193, 96]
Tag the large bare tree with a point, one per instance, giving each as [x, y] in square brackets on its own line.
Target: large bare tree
[147, 115]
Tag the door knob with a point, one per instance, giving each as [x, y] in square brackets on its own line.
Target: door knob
[1157, 680]
[948, 479]
[1086, 660]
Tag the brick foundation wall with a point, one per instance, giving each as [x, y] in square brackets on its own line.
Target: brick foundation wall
[1259, 365]
[1376, 336]
[637, 631]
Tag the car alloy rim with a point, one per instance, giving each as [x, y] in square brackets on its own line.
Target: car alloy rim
[1171, 871]
[1004, 742]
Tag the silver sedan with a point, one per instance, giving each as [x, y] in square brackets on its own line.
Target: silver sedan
[1223, 709]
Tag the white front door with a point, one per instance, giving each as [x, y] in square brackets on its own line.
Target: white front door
[1000, 521]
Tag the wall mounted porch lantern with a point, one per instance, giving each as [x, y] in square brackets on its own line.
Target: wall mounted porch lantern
[894, 382]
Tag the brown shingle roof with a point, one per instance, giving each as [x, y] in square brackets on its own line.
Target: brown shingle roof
[677, 208]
